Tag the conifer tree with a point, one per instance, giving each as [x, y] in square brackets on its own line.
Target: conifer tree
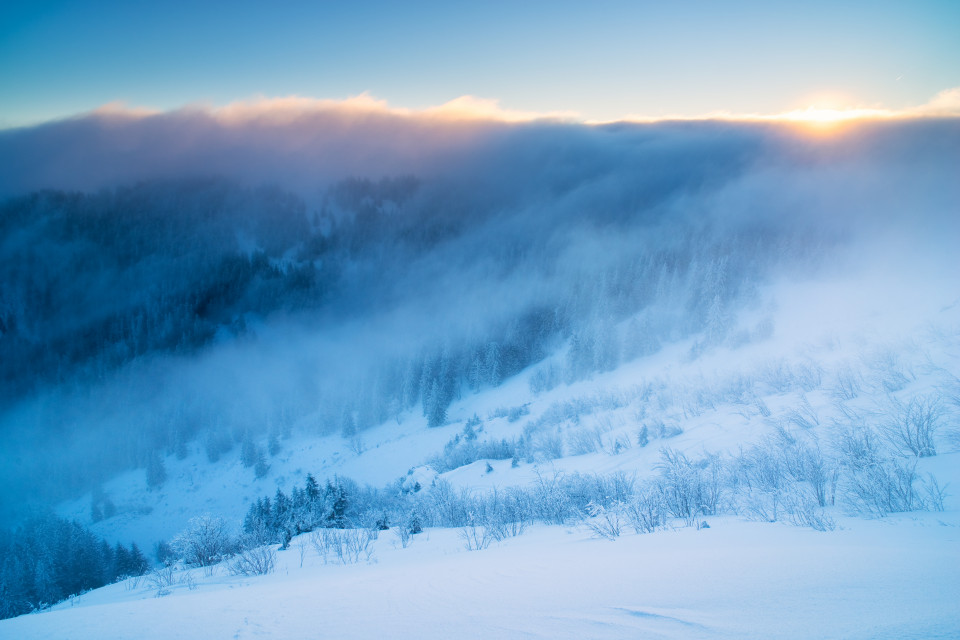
[156, 471]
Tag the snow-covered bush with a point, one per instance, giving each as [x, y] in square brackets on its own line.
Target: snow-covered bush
[886, 486]
[912, 426]
[605, 522]
[476, 537]
[404, 535]
[585, 440]
[206, 541]
[688, 488]
[803, 511]
[258, 561]
[645, 512]
[460, 451]
[504, 514]
[803, 415]
[877, 481]
[552, 503]
[450, 507]
[162, 579]
[848, 384]
[343, 546]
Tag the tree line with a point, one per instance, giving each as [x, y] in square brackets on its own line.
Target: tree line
[48, 559]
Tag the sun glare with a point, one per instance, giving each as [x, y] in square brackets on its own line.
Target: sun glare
[828, 119]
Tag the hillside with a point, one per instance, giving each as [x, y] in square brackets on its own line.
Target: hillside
[676, 380]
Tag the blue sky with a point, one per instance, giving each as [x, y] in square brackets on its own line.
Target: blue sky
[605, 60]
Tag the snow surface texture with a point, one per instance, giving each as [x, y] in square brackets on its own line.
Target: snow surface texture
[874, 579]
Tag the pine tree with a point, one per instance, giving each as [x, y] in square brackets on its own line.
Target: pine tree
[156, 471]
[475, 376]
[273, 443]
[138, 562]
[434, 407]
[123, 562]
[336, 497]
[281, 511]
[493, 364]
[248, 452]
[261, 468]
[312, 489]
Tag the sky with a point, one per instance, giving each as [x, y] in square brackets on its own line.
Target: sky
[601, 61]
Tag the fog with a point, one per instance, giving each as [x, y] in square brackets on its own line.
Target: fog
[198, 278]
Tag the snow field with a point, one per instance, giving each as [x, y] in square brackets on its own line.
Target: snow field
[895, 578]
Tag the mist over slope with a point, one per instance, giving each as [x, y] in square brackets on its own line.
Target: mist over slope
[195, 279]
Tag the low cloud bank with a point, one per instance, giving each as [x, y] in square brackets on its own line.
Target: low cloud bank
[492, 245]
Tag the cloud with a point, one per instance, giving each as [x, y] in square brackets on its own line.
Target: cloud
[474, 108]
[515, 213]
[300, 143]
[305, 144]
[464, 108]
[944, 104]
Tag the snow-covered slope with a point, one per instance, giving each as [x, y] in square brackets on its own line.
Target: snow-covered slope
[894, 578]
[717, 402]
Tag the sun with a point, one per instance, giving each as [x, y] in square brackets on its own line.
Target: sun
[826, 119]
[826, 116]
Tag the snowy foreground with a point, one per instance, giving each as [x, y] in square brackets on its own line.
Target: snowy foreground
[892, 578]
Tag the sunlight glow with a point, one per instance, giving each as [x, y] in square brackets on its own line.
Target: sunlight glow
[829, 120]
[826, 115]
[814, 114]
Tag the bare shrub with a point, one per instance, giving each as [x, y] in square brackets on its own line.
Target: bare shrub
[688, 488]
[585, 440]
[133, 582]
[357, 445]
[476, 537]
[450, 507]
[551, 502]
[884, 487]
[822, 476]
[404, 535]
[762, 476]
[778, 376]
[935, 494]
[302, 549]
[806, 513]
[912, 426]
[847, 384]
[891, 374]
[162, 579]
[189, 581]
[619, 444]
[803, 416]
[548, 446]
[645, 511]
[664, 430]
[504, 515]
[258, 561]
[342, 546]
[604, 522]
[515, 413]
[808, 376]
[761, 407]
